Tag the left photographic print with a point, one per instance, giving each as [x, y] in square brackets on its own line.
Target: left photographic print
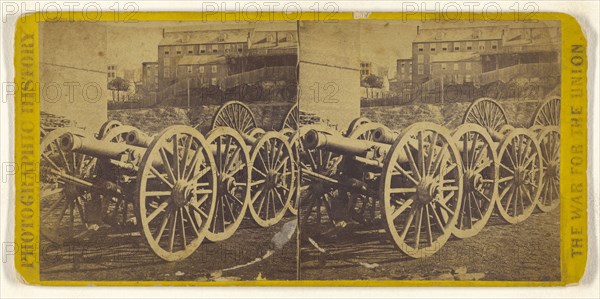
[173, 162]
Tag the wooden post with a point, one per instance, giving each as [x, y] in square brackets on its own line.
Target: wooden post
[188, 92]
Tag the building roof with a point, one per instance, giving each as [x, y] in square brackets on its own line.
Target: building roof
[273, 39]
[204, 37]
[200, 59]
[459, 34]
[454, 57]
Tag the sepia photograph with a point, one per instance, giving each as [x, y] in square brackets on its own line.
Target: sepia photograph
[431, 151]
[176, 164]
[348, 150]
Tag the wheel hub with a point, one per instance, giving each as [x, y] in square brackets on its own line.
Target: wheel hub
[272, 179]
[474, 180]
[552, 170]
[427, 190]
[182, 193]
[522, 176]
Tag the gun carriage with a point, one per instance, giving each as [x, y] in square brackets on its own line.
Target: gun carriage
[424, 183]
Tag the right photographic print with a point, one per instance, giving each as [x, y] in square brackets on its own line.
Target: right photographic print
[429, 150]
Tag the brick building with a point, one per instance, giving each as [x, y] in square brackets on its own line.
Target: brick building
[404, 70]
[210, 56]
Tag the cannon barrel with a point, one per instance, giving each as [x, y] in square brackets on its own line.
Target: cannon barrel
[138, 138]
[384, 135]
[97, 148]
[341, 145]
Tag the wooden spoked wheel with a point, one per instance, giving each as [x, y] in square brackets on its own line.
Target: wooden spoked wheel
[293, 138]
[520, 175]
[364, 208]
[236, 115]
[421, 189]
[62, 202]
[272, 179]
[233, 180]
[486, 113]
[292, 118]
[549, 139]
[355, 123]
[106, 127]
[115, 209]
[480, 175]
[177, 192]
[548, 114]
[315, 194]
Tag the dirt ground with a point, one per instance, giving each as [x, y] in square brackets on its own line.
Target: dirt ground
[250, 254]
[526, 251]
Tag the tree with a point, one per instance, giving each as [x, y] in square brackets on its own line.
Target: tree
[371, 81]
[118, 84]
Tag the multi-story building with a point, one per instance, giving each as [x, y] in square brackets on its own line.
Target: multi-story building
[366, 69]
[431, 42]
[210, 56]
[176, 45]
[111, 72]
[484, 55]
[404, 70]
[150, 76]
[209, 69]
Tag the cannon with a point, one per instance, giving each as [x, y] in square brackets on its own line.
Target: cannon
[417, 180]
[173, 179]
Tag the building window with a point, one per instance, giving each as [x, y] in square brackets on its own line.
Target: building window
[189, 68]
[240, 48]
[214, 68]
[469, 46]
[420, 69]
[167, 62]
[444, 47]
[178, 50]
[468, 66]
[190, 49]
[456, 47]
[167, 52]
[432, 47]
[456, 66]
[166, 73]
[213, 81]
[494, 45]
[201, 69]
[420, 46]
[482, 47]
[215, 48]
[443, 66]
[420, 58]
[202, 49]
